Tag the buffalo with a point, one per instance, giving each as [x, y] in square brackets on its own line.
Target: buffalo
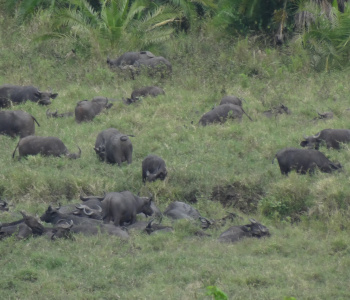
[231, 100]
[180, 210]
[17, 122]
[277, 110]
[55, 114]
[152, 91]
[303, 161]
[101, 140]
[331, 137]
[129, 58]
[153, 168]
[123, 207]
[46, 146]
[221, 113]
[236, 233]
[3, 205]
[155, 65]
[87, 110]
[117, 150]
[16, 94]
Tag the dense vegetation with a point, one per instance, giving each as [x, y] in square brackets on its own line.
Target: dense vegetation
[217, 168]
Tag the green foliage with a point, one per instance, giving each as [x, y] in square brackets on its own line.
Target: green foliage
[327, 37]
[216, 293]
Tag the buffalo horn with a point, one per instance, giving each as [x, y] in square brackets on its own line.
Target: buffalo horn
[317, 135]
[87, 213]
[99, 208]
[66, 225]
[253, 221]
[80, 206]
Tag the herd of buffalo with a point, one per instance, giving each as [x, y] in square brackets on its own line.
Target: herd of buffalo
[116, 213]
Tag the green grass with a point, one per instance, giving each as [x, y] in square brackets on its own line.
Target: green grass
[225, 167]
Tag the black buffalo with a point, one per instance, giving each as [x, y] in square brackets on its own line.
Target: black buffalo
[16, 94]
[87, 110]
[180, 210]
[153, 66]
[123, 207]
[101, 140]
[129, 58]
[236, 233]
[3, 205]
[303, 161]
[221, 113]
[153, 168]
[277, 110]
[231, 100]
[46, 146]
[17, 122]
[331, 137]
[55, 114]
[152, 91]
[117, 150]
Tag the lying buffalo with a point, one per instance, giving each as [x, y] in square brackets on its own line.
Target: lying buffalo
[180, 210]
[324, 116]
[123, 207]
[55, 114]
[88, 110]
[221, 113]
[153, 168]
[231, 100]
[146, 91]
[153, 66]
[17, 122]
[303, 161]
[277, 110]
[129, 58]
[46, 146]
[236, 233]
[331, 137]
[16, 94]
[20, 230]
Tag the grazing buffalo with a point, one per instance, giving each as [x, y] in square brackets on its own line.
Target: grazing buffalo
[180, 210]
[236, 233]
[118, 149]
[155, 65]
[277, 110]
[152, 91]
[231, 100]
[18, 94]
[221, 113]
[46, 146]
[129, 58]
[303, 161]
[123, 207]
[17, 122]
[153, 168]
[331, 137]
[55, 114]
[87, 110]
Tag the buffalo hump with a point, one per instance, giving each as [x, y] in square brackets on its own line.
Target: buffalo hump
[17, 122]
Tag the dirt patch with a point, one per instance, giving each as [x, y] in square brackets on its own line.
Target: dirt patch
[238, 196]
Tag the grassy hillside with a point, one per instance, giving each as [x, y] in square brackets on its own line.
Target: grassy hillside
[217, 168]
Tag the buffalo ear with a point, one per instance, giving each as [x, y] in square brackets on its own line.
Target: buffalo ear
[53, 96]
[303, 144]
[38, 94]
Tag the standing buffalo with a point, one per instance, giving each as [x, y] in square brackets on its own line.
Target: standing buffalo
[17, 122]
[129, 58]
[88, 110]
[123, 207]
[231, 100]
[46, 146]
[236, 233]
[303, 161]
[332, 138]
[153, 168]
[118, 149]
[221, 113]
[101, 140]
[19, 94]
